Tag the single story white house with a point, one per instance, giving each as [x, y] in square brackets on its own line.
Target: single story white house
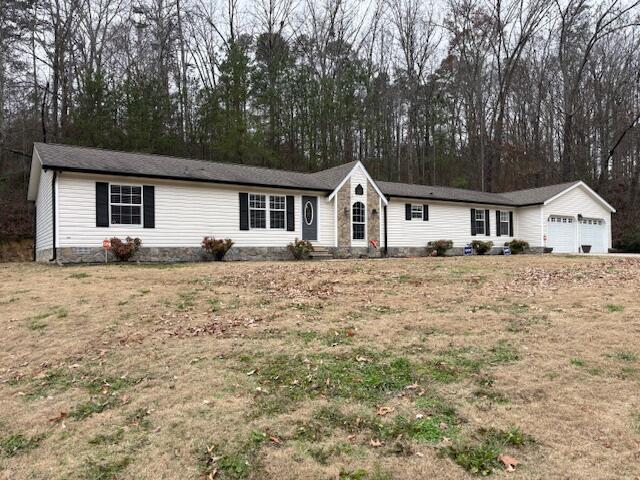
[86, 195]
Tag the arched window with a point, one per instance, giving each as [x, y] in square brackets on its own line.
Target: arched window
[358, 218]
[359, 190]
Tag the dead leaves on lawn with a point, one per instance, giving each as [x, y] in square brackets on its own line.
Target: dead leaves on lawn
[509, 463]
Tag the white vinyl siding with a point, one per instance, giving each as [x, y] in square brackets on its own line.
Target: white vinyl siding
[447, 221]
[184, 213]
[528, 224]
[44, 212]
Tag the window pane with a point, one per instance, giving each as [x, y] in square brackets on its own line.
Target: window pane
[115, 214]
[358, 212]
[416, 211]
[480, 226]
[258, 219]
[115, 188]
[480, 215]
[358, 231]
[276, 219]
[276, 202]
[257, 201]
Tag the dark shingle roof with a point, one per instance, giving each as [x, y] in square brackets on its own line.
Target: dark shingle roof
[533, 196]
[95, 160]
[426, 192]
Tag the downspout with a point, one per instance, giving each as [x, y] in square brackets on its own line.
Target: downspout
[386, 248]
[35, 230]
[54, 255]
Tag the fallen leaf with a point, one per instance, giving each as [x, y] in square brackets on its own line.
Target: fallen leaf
[382, 411]
[413, 386]
[376, 443]
[59, 418]
[275, 440]
[509, 462]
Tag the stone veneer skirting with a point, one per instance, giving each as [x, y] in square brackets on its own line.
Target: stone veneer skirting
[166, 254]
[195, 254]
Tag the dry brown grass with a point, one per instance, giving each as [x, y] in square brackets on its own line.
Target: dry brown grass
[277, 370]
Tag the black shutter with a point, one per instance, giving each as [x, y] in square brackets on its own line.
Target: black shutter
[473, 222]
[291, 222]
[244, 211]
[102, 204]
[511, 224]
[425, 213]
[486, 223]
[407, 211]
[498, 223]
[149, 202]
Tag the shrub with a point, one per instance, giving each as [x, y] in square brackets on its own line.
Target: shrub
[216, 248]
[123, 251]
[439, 246]
[481, 247]
[630, 241]
[517, 246]
[300, 249]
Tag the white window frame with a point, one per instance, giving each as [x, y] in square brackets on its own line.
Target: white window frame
[417, 212]
[506, 222]
[483, 220]
[264, 200]
[267, 210]
[363, 222]
[120, 204]
[283, 210]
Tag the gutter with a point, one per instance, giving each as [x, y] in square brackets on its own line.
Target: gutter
[386, 246]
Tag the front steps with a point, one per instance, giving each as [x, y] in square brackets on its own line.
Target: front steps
[320, 253]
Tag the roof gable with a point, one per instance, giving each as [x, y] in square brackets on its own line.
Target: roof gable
[586, 188]
[359, 166]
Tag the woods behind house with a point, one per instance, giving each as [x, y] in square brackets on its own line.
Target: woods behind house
[484, 94]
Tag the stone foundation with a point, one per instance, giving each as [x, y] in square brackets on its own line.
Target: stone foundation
[168, 254]
[44, 255]
[195, 254]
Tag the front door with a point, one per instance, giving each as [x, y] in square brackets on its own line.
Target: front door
[309, 218]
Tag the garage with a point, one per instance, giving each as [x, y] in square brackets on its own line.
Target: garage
[593, 233]
[562, 234]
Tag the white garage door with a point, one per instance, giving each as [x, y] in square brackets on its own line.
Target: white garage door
[592, 232]
[562, 234]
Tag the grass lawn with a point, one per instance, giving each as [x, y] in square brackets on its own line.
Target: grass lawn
[371, 369]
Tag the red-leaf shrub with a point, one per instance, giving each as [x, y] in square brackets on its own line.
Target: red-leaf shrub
[123, 251]
[216, 248]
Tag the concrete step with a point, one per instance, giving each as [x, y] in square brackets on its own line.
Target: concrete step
[320, 253]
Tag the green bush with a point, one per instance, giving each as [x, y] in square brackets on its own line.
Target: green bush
[481, 247]
[216, 248]
[300, 249]
[440, 247]
[123, 251]
[517, 246]
[630, 241]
